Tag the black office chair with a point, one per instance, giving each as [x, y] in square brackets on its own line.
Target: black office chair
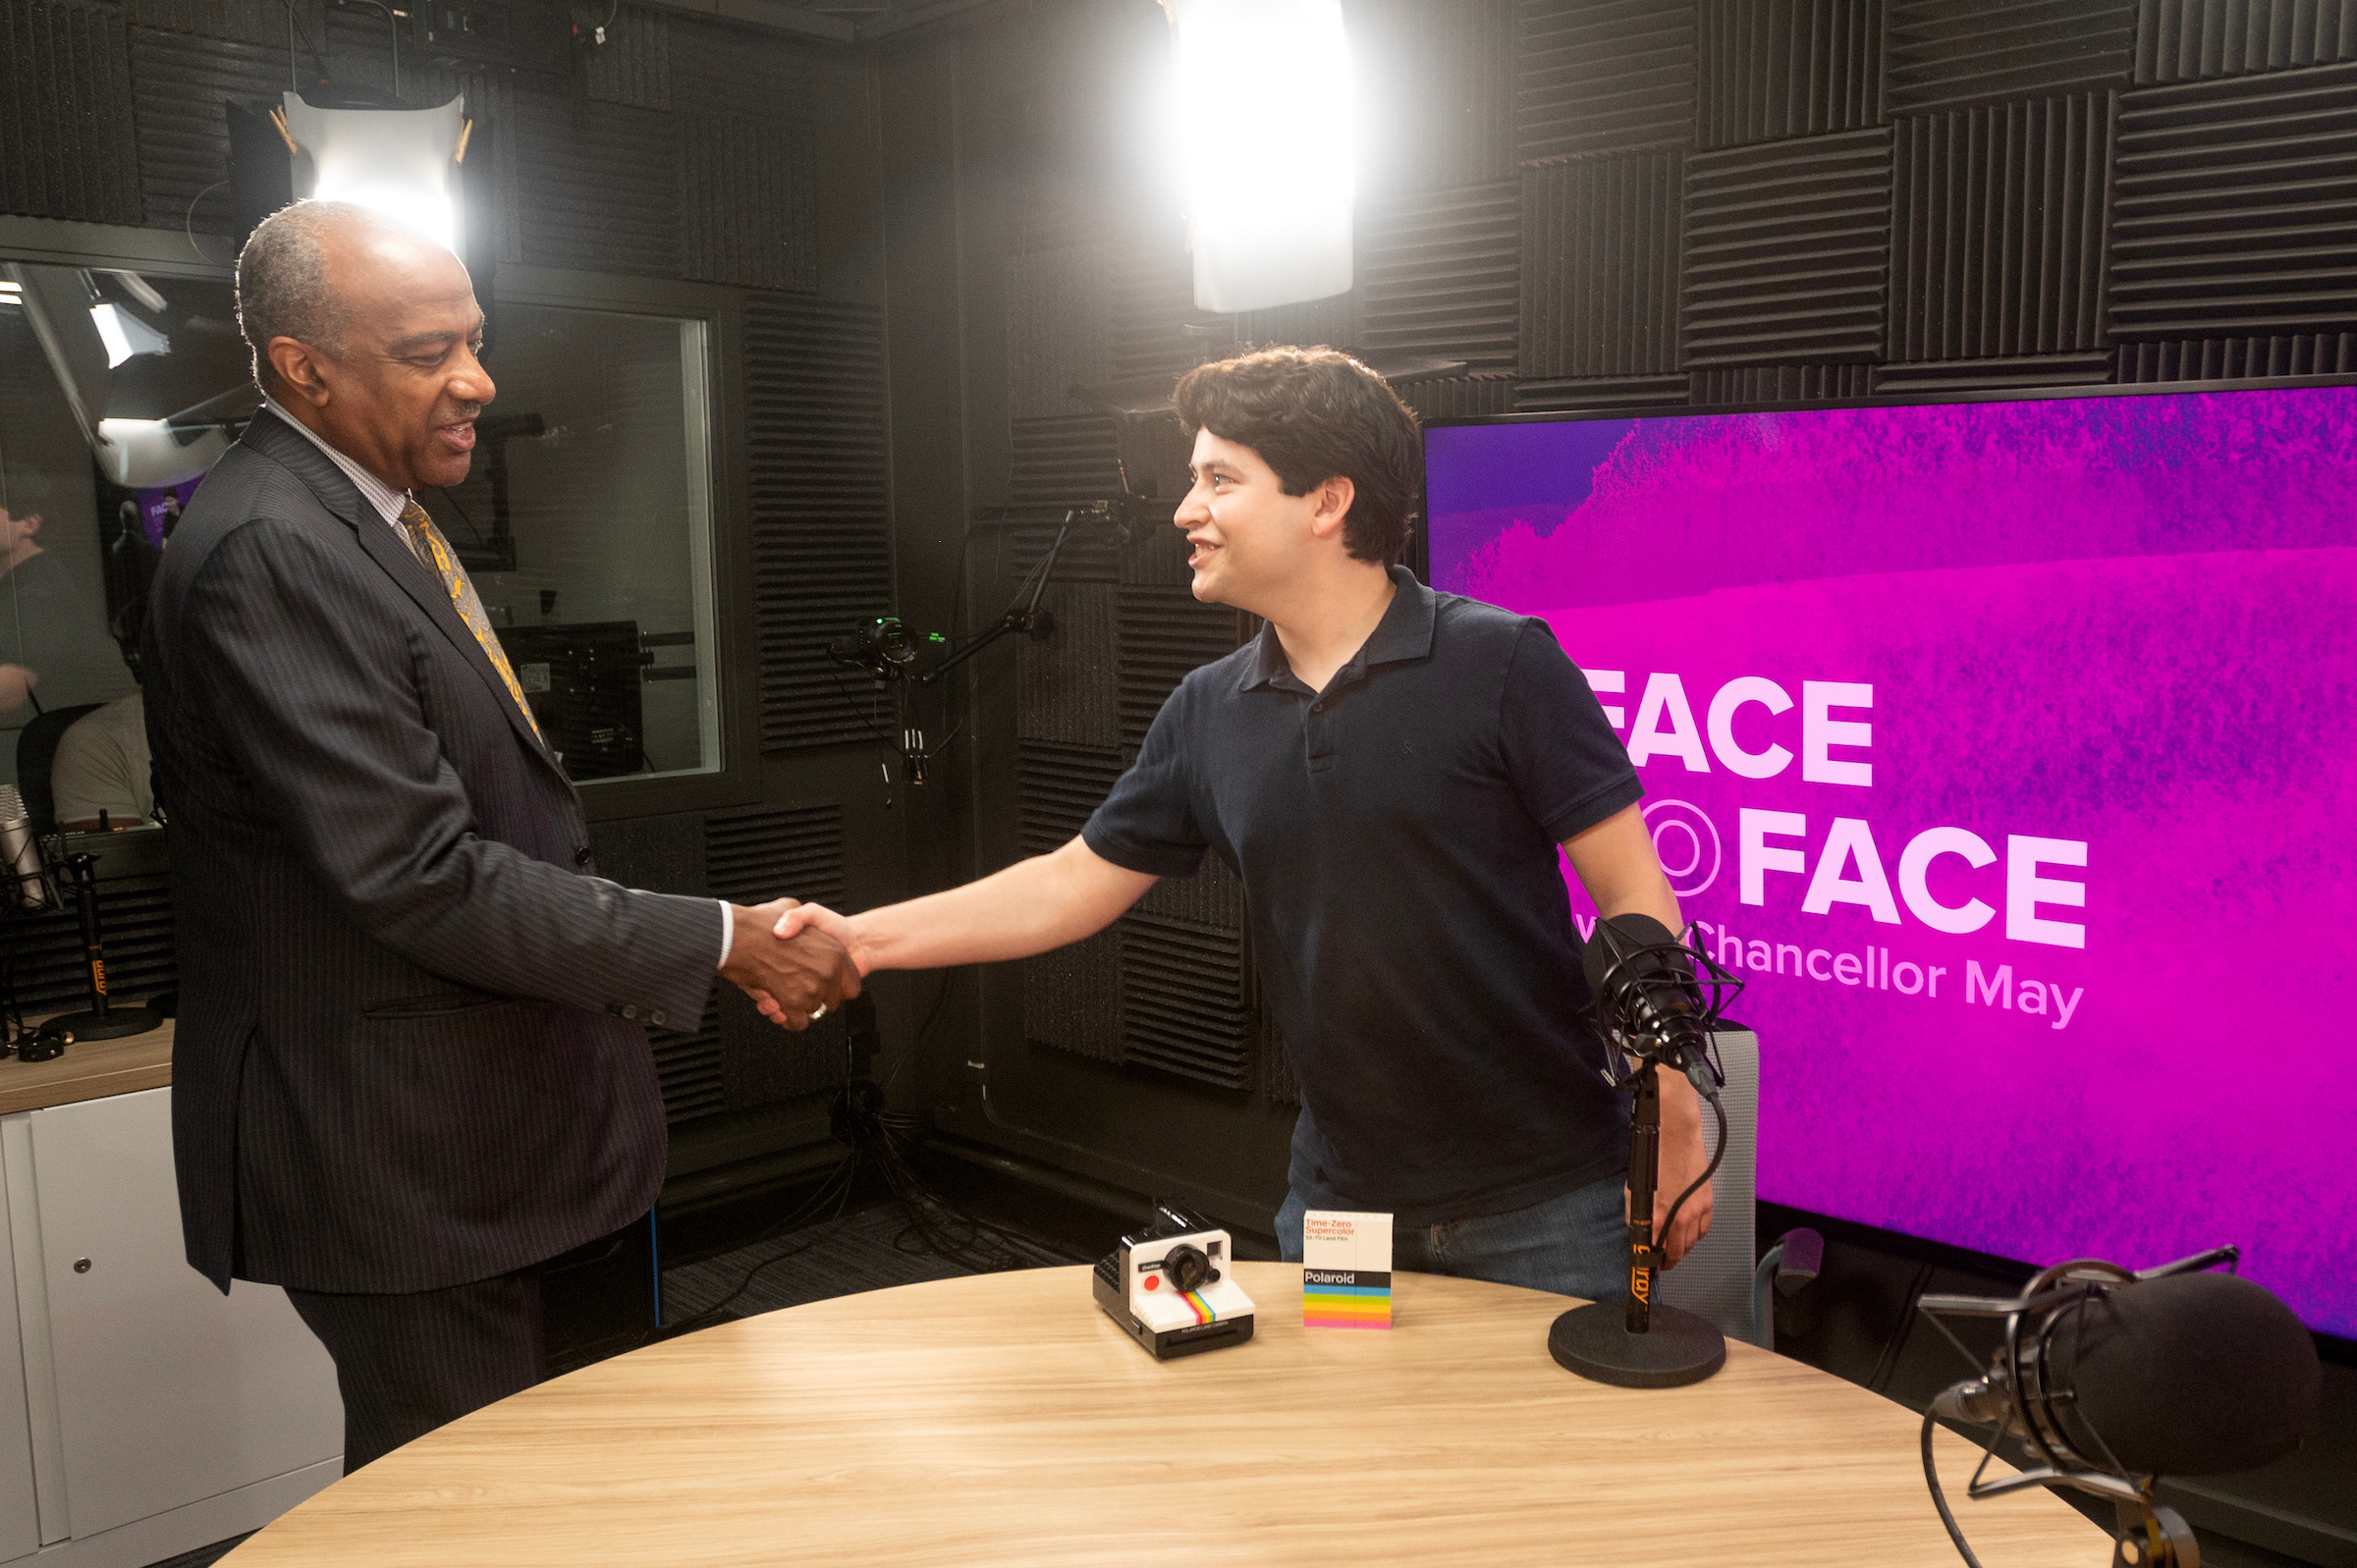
[36, 753]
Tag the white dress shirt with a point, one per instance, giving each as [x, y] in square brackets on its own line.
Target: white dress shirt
[388, 504]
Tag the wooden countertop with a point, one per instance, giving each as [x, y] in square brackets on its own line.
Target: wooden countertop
[88, 1070]
[1001, 1420]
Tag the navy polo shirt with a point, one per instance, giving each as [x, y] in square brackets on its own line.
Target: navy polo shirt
[1397, 838]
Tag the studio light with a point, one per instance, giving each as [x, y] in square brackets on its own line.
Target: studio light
[124, 334]
[401, 162]
[1262, 118]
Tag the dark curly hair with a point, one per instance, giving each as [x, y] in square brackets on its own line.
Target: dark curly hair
[1313, 413]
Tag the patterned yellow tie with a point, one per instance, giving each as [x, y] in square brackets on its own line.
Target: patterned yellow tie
[434, 552]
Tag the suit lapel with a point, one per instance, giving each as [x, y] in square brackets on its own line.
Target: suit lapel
[291, 449]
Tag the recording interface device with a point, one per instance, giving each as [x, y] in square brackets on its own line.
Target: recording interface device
[1168, 1287]
[1995, 745]
[583, 684]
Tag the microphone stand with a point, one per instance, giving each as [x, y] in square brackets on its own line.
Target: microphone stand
[1643, 1343]
[103, 1021]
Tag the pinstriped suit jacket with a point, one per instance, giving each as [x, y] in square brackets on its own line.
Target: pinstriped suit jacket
[403, 1058]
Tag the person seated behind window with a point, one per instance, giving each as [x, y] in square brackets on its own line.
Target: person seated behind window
[51, 637]
[102, 765]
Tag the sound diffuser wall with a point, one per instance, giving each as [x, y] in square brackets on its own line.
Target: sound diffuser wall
[1654, 203]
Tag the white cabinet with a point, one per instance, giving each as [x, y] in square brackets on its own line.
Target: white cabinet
[149, 1394]
[20, 1533]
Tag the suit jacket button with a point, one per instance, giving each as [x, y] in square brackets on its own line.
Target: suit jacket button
[631, 1013]
[655, 1018]
[581, 854]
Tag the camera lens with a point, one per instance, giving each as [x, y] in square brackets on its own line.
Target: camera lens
[1186, 1267]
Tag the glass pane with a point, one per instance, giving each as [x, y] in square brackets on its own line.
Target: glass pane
[586, 523]
[117, 393]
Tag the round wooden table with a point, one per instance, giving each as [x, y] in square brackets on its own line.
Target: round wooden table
[1002, 1419]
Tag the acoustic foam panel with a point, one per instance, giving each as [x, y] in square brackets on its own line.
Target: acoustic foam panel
[1440, 273]
[1948, 52]
[1750, 384]
[1999, 242]
[822, 523]
[596, 187]
[1787, 250]
[2236, 207]
[1600, 266]
[1150, 300]
[632, 66]
[1064, 460]
[752, 855]
[1332, 322]
[1072, 997]
[1459, 397]
[1573, 394]
[748, 199]
[1599, 76]
[1164, 633]
[259, 22]
[1068, 684]
[179, 85]
[746, 68]
[1987, 375]
[66, 144]
[2184, 40]
[665, 854]
[1183, 1004]
[1056, 329]
[693, 1067]
[1766, 69]
[2297, 353]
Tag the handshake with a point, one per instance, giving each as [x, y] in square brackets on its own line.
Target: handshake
[794, 971]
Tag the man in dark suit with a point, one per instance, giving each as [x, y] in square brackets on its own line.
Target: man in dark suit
[412, 1059]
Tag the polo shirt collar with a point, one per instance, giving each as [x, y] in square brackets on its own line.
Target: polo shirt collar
[1405, 632]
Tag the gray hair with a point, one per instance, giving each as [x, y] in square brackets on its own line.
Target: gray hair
[282, 281]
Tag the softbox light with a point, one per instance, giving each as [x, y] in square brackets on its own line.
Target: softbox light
[399, 162]
[1263, 118]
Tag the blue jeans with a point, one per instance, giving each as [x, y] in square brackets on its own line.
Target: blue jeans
[1574, 1245]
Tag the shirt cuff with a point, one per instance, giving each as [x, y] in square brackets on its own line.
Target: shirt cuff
[727, 934]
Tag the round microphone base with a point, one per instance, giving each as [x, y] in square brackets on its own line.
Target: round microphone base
[1676, 1349]
[120, 1023]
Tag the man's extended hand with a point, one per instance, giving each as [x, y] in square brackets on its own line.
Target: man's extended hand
[794, 922]
[790, 978]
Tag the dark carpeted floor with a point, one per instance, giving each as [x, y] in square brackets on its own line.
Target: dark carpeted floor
[868, 1249]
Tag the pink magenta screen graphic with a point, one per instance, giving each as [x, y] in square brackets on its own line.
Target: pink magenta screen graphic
[2003, 748]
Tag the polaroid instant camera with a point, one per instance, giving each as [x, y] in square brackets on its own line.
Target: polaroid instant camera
[1169, 1286]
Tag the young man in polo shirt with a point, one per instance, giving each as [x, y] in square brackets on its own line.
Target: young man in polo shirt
[1389, 771]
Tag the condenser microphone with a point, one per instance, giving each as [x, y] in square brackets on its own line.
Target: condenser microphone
[28, 880]
[1646, 995]
[2197, 1375]
[2113, 1379]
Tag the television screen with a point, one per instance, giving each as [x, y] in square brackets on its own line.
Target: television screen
[2004, 749]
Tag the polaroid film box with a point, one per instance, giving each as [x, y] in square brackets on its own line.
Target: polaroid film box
[1345, 1269]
